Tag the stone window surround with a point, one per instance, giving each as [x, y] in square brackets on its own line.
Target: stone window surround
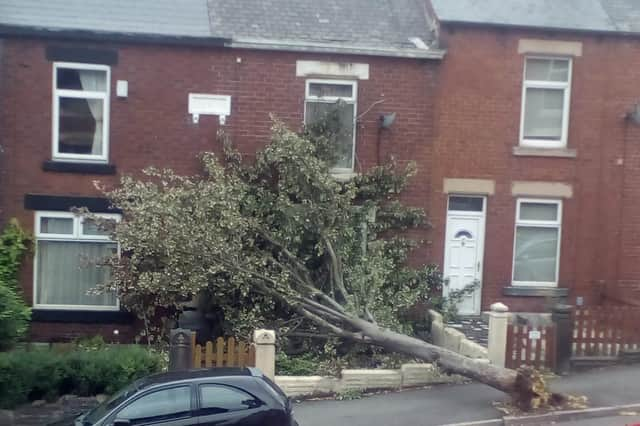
[349, 70]
[469, 186]
[552, 48]
[541, 189]
[549, 47]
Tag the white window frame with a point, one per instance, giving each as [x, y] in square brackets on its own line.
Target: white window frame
[556, 224]
[535, 84]
[353, 100]
[80, 94]
[76, 236]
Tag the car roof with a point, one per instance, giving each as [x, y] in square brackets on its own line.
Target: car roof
[197, 374]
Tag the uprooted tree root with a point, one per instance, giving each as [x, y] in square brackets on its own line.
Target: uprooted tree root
[532, 394]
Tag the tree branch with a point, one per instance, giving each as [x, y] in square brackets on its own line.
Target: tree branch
[369, 316]
[301, 267]
[336, 268]
[321, 322]
[318, 306]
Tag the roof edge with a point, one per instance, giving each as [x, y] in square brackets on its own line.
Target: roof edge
[539, 28]
[14, 31]
[351, 49]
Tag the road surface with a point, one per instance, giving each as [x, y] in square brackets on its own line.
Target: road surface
[445, 404]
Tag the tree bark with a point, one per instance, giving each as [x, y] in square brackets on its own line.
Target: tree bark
[526, 387]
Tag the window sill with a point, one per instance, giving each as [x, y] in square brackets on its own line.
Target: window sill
[525, 151]
[84, 168]
[343, 177]
[531, 291]
[84, 317]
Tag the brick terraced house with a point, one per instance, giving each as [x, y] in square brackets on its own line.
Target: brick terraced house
[94, 89]
[520, 114]
[537, 126]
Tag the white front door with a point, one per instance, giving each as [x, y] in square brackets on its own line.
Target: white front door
[464, 249]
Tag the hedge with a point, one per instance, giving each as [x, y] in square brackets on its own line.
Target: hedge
[44, 374]
[14, 313]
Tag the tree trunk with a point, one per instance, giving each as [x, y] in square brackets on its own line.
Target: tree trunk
[525, 386]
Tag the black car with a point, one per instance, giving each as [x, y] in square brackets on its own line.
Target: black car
[221, 396]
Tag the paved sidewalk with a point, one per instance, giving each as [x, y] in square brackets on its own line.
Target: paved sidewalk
[442, 405]
[605, 421]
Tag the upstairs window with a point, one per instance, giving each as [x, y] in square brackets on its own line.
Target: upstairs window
[68, 270]
[545, 102]
[80, 112]
[537, 242]
[325, 96]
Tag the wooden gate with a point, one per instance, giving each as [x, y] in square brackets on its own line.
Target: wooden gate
[605, 331]
[530, 346]
[223, 353]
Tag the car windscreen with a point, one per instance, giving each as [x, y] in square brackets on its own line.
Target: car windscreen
[101, 410]
[279, 393]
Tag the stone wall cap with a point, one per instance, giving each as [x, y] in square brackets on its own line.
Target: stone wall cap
[264, 337]
[364, 371]
[499, 307]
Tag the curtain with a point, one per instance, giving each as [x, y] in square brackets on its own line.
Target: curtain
[543, 113]
[539, 211]
[316, 111]
[68, 273]
[56, 225]
[547, 69]
[536, 254]
[95, 81]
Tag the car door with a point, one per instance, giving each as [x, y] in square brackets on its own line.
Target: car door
[223, 405]
[168, 406]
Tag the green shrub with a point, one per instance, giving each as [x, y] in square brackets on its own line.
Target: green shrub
[14, 313]
[303, 365]
[44, 374]
[14, 317]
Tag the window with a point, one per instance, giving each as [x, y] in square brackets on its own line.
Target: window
[326, 96]
[215, 399]
[537, 242]
[69, 249]
[165, 404]
[466, 204]
[545, 102]
[80, 112]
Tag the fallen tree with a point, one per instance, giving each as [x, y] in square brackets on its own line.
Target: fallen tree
[282, 235]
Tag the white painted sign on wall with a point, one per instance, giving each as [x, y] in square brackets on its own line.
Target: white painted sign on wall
[209, 104]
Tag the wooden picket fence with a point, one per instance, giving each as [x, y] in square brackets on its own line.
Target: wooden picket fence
[223, 353]
[605, 331]
[531, 346]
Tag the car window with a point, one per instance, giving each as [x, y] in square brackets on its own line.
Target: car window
[216, 399]
[118, 398]
[164, 404]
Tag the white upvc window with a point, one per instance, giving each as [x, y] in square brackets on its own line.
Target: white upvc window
[67, 267]
[80, 125]
[546, 96]
[536, 251]
[325, 96]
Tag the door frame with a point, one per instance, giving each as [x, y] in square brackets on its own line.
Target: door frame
[480, 244]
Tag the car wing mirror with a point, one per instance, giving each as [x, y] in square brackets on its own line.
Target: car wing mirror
[121, 422]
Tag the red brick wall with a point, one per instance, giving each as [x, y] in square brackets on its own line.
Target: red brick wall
[478, 123]
[61, 332]
[152, 126]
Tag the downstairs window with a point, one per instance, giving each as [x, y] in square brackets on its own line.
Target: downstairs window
[68, 269]
[537, 243]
